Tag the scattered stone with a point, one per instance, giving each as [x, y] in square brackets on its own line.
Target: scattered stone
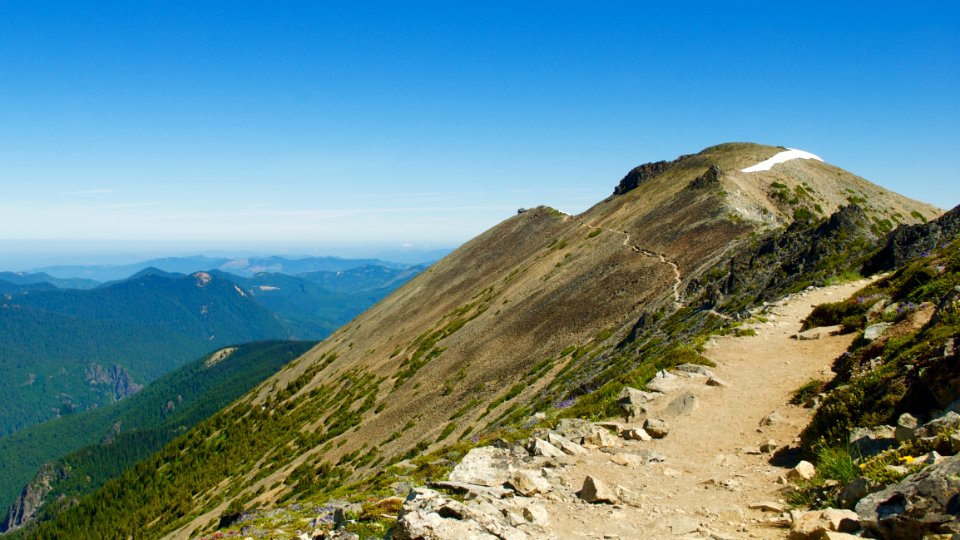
[635, 434]
[683, 404]
[752, 450]
[541, 447]
[529, 483]
[679, 524]
[537, 515]
[802, 471]
[768, 506]
[771, 419]
[628, 497]
[924, 503]
[565, 444]
[627, 460]
[429, 515]
[595, 491]
[906, 425]
[929, 458]
[485, 466]
[769, 447]
[656, 428]
[718, 382]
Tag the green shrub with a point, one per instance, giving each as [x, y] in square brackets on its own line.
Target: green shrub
[807, 391]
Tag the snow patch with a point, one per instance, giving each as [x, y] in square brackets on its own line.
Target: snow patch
[239, 290]
[786, 155]
[268, 288]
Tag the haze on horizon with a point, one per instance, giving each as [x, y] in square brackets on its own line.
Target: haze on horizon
[305, 127]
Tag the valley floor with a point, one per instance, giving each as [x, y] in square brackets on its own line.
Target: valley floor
[713, 471]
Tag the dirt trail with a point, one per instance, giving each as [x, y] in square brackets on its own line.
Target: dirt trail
[712, 472]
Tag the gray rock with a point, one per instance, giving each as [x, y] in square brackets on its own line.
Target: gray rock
[472, 491]
[769, 447]
[771, 419]
[595, 491]
[656, 428]
[857, 489]
[814, 524]
[683, 404]
[949, 421]
[634, 403]
[600, 438]
[802, 471]
[906, 425]
[874, 331]
[927, 502]
[868, 442]
[429, 515]
[693, 369]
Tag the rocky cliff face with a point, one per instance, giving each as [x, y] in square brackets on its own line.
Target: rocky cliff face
[24, 509]
[115, 377]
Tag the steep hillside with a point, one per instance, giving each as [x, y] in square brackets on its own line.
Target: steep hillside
[24, 278]
[118, 435]
[69, 350]
[544, 310]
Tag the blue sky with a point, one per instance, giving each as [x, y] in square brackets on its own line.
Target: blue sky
[320, 127]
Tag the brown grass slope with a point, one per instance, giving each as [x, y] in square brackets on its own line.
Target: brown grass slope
[468, 329]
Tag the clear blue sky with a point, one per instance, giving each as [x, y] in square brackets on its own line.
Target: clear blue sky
[320, 125]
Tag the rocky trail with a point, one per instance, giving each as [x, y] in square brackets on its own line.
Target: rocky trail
[704, 453]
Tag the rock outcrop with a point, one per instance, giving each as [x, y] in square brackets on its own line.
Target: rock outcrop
[924, 503]
[25, 508]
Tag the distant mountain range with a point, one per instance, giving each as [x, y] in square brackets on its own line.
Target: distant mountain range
[88, 276]
[66, 350]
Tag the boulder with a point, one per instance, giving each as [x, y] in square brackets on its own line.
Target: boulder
[529, 483]
[683, 404]
[868, 442]
[635, 434]
[949, 421]
[874, 331]
[857, 489]
[573, 428]
[924, 503]
[769, 447]
[565, 445]
[663, 382]
[803, 471]
[595, 491]
[906, 425]
[656, 428]
[485, 466]
[695, 370]
[429, 515]
[633, 402]
[600, 438]
[812, 525]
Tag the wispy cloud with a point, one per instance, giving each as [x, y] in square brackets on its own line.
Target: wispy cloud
[100, 191]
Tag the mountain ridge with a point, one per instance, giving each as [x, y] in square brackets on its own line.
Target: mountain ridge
[541, 309]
